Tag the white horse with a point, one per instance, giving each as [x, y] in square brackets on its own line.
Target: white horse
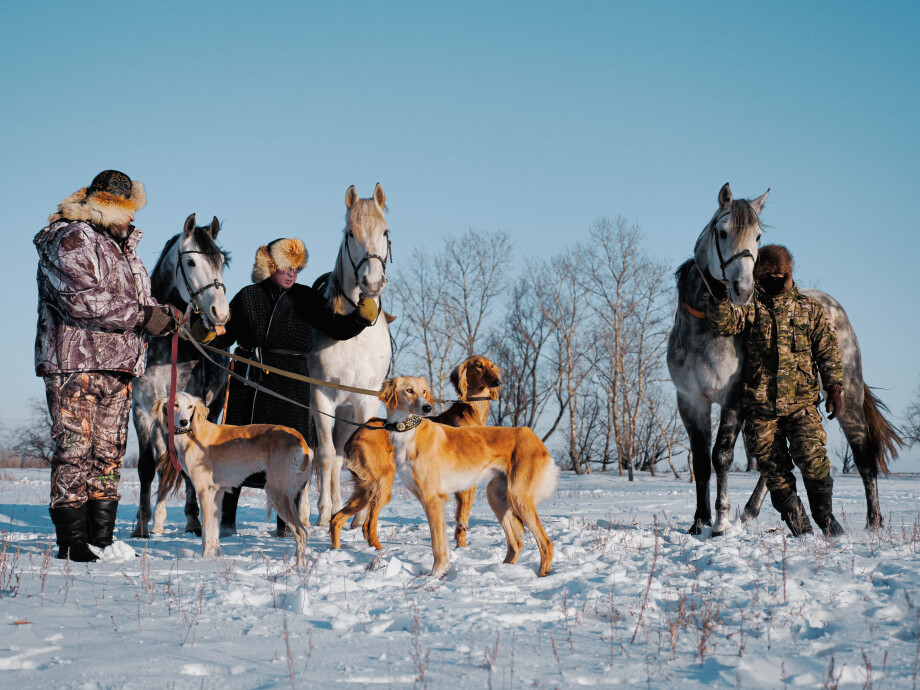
[189, 270]
[360, 362]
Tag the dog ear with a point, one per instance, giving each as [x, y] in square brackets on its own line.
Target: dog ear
[493, 393]
[460, 381]
[388, 394]
[201, 413]
[429, 397]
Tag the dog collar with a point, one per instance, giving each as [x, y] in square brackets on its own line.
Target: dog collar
[182, 431]
[406, 425]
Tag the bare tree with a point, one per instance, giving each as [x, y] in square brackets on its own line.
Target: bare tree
[31, 442]
[519, 347]
[567, 311]
[448, 302]
[912, 427]
[629, 291]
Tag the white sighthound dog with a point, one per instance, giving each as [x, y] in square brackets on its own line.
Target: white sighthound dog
[217, 457]
[434, 460]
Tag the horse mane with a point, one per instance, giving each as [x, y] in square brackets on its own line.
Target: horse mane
[162, 283]
[682, 275]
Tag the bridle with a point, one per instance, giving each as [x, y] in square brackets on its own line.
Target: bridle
[723, 264]
[367, 257]
[192, 294]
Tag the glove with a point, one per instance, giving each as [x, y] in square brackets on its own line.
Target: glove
[834, 401]
[157, 320]
[200, 332]
[367, 310]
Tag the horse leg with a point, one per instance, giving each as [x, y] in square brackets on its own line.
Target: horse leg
[855, 427]
[192, 523]
[326, 461]
[723, 454]
[696, 421]
[752, 507]
[146, 471]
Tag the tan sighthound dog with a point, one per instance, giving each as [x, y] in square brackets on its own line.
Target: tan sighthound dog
[434, 460]
[369, 452]
[217, 457]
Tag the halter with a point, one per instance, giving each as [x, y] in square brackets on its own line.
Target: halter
[723, 264]
[192, 294]
[367, 257]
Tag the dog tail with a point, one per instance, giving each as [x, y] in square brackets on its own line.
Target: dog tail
[547, 481]
[170, 477]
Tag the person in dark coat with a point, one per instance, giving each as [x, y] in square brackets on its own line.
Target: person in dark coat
[272, 322]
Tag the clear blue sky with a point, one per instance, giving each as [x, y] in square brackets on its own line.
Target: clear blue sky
[533, 118]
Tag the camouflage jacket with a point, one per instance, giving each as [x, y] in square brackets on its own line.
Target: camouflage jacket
[788, 339]
[90, 292]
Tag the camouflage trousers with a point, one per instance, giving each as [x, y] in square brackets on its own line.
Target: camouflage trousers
[89, 427]
[765, 439]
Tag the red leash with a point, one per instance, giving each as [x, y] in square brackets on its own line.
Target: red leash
[173, 374]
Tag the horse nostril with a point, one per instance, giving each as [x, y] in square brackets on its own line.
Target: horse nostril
[737, 287]
[213, 311]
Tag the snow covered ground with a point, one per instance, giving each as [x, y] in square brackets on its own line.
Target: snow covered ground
[631, 600]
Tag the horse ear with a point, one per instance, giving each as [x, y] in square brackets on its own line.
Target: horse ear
[725, 196]
[215, 228]
[758, 203]
[379, 196]
[351, 197]
[189, 225]
[388, 394]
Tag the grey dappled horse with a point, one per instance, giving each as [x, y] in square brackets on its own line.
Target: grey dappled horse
[189, 270]
[706, 368]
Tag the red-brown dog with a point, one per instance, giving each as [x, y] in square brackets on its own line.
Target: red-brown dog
[434, 460]
[369, 452]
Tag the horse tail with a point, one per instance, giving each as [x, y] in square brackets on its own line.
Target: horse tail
[884, 438]
[170, 477]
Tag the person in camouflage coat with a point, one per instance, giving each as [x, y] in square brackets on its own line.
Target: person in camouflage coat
[788, 340]
[95, 312]
[272, 321]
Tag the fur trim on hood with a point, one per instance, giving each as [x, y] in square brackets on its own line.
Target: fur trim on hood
[101, 208]
[279, 255]
[774, 258]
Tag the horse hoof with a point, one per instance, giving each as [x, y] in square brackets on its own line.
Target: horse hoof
[194, 530]
[717, 534]
[874, 522]
[747, 518]
[697, 527]
[140, 532]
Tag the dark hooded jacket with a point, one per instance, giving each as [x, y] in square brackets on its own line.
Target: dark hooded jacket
[275, 326]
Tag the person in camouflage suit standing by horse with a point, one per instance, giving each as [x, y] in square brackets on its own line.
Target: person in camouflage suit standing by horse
[788, 339]
[95, 312]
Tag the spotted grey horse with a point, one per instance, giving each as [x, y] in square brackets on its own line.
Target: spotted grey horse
[188, 272]
[706, 368]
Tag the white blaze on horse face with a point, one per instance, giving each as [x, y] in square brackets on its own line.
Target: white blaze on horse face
[202, 271]
[739, 272]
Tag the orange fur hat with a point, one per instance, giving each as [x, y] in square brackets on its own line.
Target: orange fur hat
[279, 255]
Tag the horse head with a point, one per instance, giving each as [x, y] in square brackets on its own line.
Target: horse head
[199, 270]
[367, 240]
[728, 246]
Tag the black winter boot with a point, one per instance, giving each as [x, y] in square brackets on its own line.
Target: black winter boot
[70, 528]
[821, 499]
[790, 508]
[100, 522]
[228, 513]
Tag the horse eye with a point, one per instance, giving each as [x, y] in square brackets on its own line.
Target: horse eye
[190, 262]
[758, 239]
[722, 234]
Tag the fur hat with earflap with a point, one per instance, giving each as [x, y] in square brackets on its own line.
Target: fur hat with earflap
[110, 201]
[279, 255]
[773, 271]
